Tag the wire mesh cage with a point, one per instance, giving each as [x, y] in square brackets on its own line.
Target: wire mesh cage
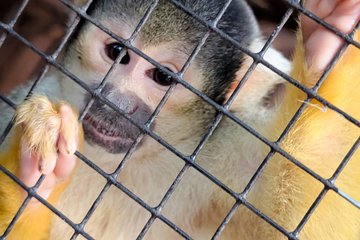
[156, 210]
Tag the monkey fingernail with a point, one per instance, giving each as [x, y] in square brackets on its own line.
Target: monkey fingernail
[66, 147]
[47, 165]
[71, 147]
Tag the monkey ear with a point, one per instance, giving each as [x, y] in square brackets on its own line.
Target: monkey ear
[263, 90]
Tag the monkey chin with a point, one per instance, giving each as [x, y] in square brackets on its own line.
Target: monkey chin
[108, 136]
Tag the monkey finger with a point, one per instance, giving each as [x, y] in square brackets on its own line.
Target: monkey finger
[47, 187]
[29, 165]
[69, 129]
[321, 9]
[29, 172]
[64, 166]
[67, 143]
[63, 146]
[47, 163]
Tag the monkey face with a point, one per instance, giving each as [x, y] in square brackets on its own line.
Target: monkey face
[135, 86]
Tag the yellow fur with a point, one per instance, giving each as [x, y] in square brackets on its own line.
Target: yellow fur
[320, 139]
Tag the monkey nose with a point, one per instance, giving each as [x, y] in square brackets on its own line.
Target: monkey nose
[126, 107]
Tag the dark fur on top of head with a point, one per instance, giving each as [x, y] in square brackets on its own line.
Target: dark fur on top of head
[218, 59]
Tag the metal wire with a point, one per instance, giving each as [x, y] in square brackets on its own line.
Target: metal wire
[189, 161]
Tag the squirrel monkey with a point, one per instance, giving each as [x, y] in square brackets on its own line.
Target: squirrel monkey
[48, 133]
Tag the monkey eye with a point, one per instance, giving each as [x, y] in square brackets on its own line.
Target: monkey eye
[113, 50]
[161, 78]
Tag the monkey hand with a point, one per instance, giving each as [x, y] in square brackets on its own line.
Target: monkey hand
[49, 137]
[44, 142]
[320, 43]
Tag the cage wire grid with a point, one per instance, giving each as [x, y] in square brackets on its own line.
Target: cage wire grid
[189, 160]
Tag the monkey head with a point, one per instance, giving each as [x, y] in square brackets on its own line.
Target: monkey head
[136, 86]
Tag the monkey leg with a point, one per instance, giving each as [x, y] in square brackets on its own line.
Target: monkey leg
[44, 142]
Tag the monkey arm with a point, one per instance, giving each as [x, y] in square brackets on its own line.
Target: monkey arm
[57, 130]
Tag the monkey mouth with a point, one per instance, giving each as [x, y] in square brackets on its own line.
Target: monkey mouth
[106, 134]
